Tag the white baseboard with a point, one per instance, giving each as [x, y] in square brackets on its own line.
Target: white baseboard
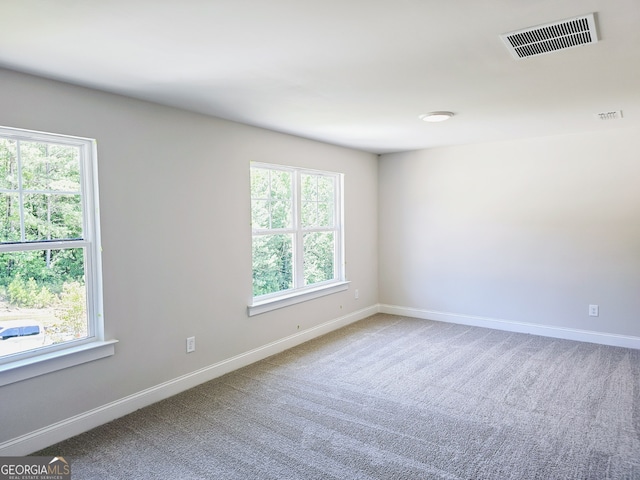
[67, 428]
[520, 327]
[70, 427]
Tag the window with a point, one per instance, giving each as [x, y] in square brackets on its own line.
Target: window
[296, 218]
[50, 279]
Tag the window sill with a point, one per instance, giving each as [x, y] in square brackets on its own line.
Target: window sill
[262, 306]
[50, 362]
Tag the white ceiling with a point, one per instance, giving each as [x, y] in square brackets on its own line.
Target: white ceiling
[350, 72]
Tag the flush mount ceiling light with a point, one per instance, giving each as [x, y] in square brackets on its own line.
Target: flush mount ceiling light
[436, 116]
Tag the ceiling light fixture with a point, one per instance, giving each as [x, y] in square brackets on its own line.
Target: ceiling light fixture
[436, 116]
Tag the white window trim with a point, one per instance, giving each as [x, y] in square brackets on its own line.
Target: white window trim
[276, 300]
[25, 368]
[48, 359]
[291, 297]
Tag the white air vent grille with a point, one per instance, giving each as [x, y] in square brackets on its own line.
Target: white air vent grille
[569, 33]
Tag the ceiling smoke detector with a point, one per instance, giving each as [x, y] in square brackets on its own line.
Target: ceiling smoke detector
[551, 37]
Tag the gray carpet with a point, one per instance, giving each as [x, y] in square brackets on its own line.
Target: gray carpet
[390, 398]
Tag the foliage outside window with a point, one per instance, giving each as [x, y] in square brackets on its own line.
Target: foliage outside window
[49, 272]
[296, 225]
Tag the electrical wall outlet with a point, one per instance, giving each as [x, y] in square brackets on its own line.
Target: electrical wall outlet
[191, 344]
[594, 311]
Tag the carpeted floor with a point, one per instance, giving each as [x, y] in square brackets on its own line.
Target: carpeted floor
[390, 398]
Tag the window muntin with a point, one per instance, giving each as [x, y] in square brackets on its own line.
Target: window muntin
[49, 259]
[297, 229]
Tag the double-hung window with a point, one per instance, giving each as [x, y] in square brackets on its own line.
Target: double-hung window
[50, 274]
[296, 219]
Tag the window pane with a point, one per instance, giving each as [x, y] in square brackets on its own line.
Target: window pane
[326, 189]
[317, 214]
[325, 214]
[9, 218]
[281, 185]
[50, 167]
[8, 164]
[260, 214]
[319, 257]
[281, 199]
[309, 187]
[259, 183]
[281, 214]
[42, 290]
[272, 199]
[272, 263]
[309, 214]
[52, 217]
[317, 201]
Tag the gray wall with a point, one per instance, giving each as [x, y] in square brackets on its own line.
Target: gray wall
[529, 231]
[175, 212]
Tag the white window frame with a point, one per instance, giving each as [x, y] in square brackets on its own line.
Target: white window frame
[300, 292]
[21, 366]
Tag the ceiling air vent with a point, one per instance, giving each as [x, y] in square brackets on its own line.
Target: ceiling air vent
[560, 35]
